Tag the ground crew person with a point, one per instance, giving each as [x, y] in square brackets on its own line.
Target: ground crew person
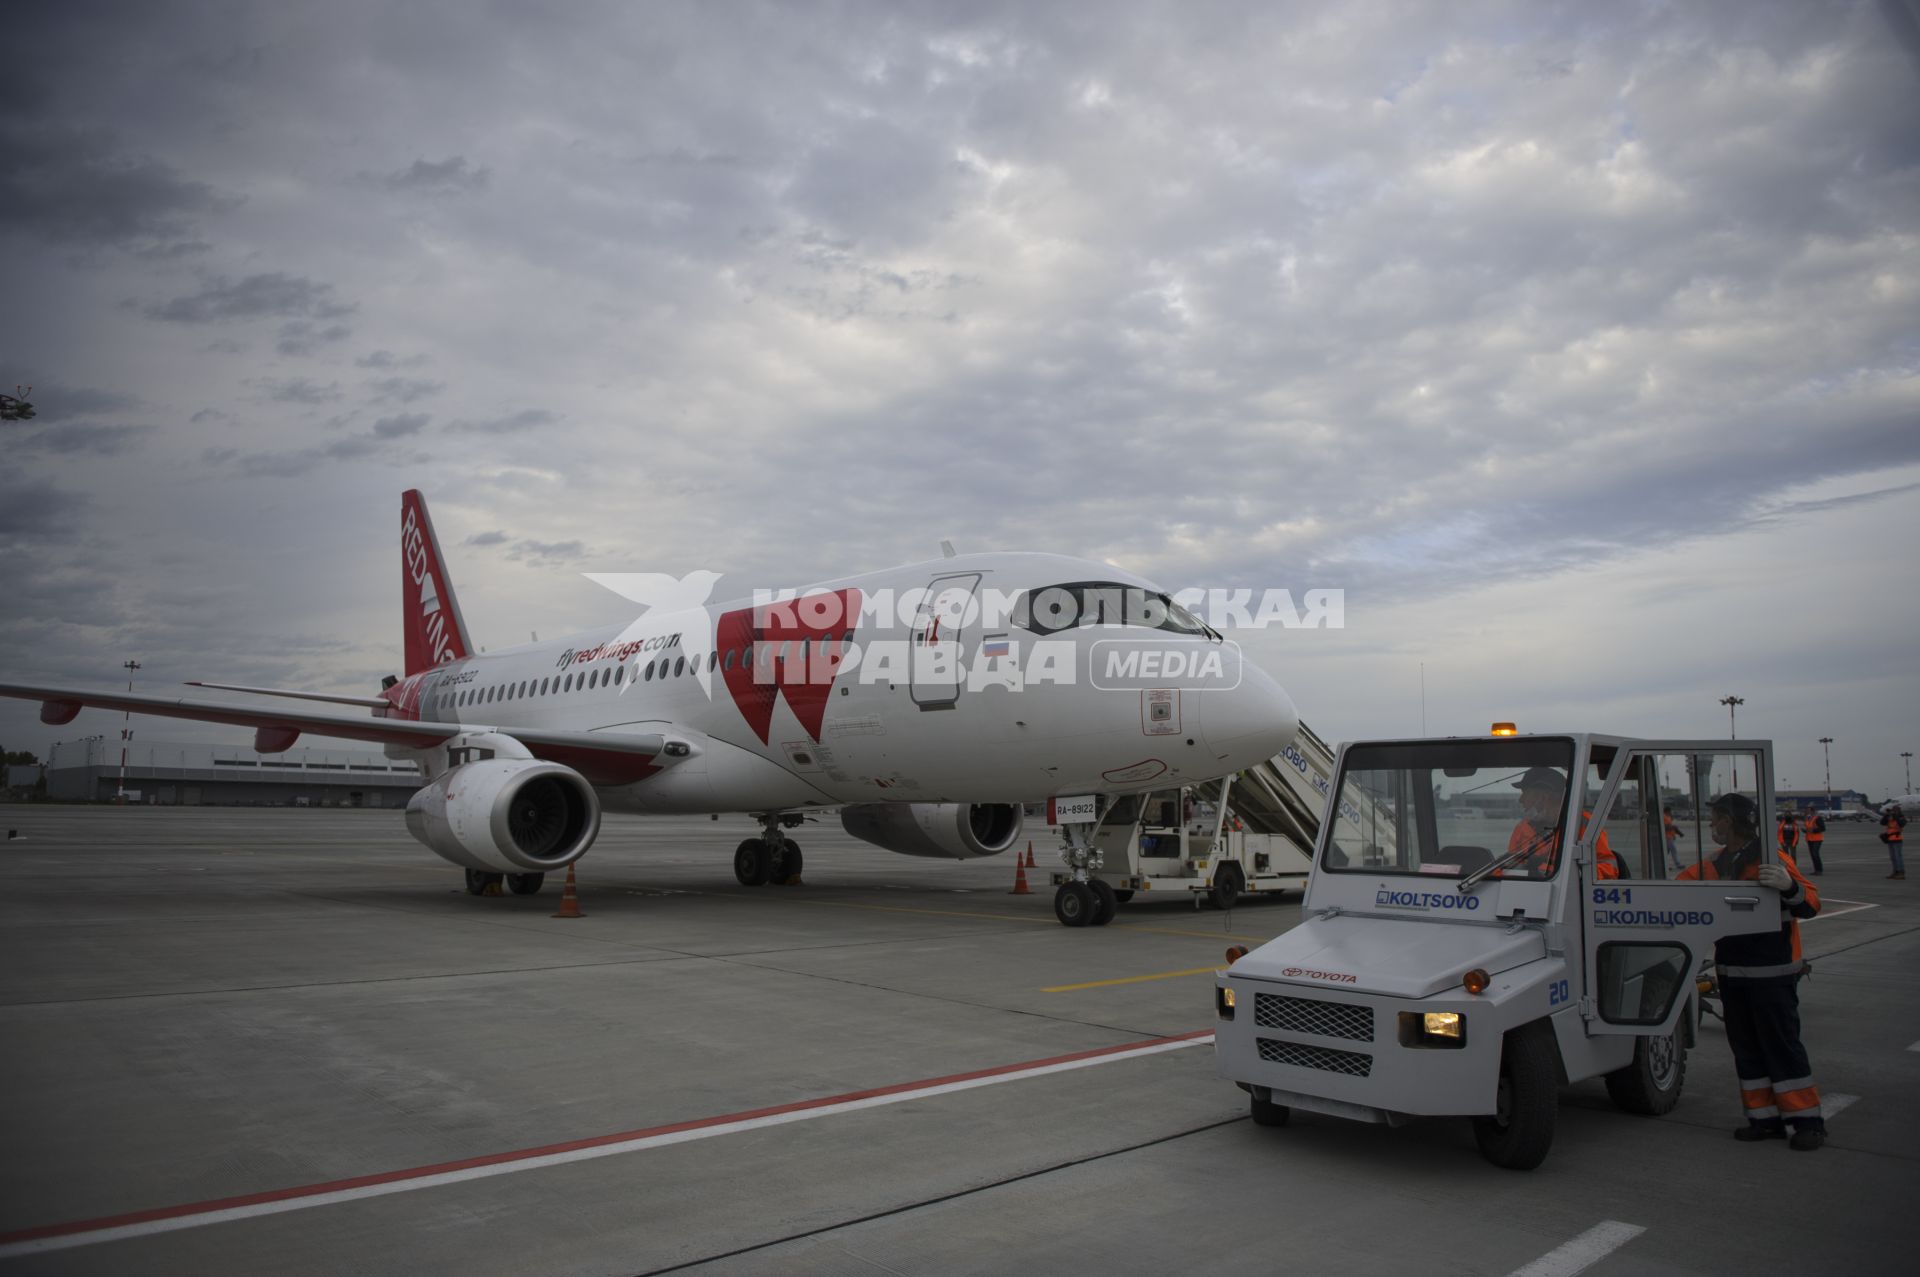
[1788, 832]
[1673, 840]
[1757, 975]
[1541, 791]
[1816, 826]
[1893, 832]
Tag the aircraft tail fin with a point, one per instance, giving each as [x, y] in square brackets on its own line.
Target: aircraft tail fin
[435, 631]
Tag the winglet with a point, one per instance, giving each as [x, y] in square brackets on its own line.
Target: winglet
[435, 631]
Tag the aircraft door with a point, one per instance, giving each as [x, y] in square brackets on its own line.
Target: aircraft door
[1648, 931]
[946, 631]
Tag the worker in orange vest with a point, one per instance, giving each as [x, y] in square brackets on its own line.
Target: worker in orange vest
[1673, 834]
[1757, 974]
[1816, 827]
[1893, 832]
[1542, 791]
[1788, 831]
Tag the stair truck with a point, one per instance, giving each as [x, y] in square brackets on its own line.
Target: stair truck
[1251, 832]
[1453, 960]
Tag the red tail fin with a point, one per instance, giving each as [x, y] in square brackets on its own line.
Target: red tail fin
[436, 633]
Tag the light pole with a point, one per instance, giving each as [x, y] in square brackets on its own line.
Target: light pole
[1908, 755]
[126, 732]
[1733, 732]
[1826, 745]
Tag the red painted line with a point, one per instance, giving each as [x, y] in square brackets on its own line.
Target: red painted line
[568, 1146]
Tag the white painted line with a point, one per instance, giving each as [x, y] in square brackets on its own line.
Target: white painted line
[90, 1232]
[1583, 1251]
[1832, 1103]
[1856, 907]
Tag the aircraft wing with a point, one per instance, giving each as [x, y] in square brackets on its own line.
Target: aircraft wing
[604, 758]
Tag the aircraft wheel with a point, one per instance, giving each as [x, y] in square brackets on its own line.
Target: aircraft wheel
[1104, 903]
[1226, 887]
[786, 863]
[1073, 904]
[1123, 896]
[478, 880]
[1519, 1133]
[752, 862]
[525, 884]
[1267, 1113]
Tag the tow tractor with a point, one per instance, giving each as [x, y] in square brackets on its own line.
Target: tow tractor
[1250, 832]
[1458, 956]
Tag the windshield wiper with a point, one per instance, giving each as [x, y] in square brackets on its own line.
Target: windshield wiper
[1513, 857]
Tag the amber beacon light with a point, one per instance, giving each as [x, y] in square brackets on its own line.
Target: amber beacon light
[1505, 729]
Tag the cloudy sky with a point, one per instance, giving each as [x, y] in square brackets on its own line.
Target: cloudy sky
[1579, 344]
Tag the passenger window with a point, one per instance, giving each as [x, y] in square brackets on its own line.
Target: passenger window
[679, 665]
[647, 676]
[713, 660]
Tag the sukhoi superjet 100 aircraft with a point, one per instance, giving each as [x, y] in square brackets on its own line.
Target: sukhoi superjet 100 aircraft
[926, 703]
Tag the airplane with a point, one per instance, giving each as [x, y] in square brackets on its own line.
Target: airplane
[926, 703]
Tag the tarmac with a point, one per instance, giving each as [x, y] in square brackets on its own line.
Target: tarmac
[277, 1040]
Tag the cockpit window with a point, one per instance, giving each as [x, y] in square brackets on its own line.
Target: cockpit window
[1053, 608]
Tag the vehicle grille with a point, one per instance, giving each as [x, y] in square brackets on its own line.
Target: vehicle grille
[1300, 1055]
[1306, 1015]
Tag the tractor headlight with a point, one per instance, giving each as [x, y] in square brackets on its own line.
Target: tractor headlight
[1223, 1001]
[1441, 1030]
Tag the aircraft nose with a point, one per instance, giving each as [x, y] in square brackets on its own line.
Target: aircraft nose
[1250, 723]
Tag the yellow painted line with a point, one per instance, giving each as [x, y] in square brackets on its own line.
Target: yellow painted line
[1132, 979]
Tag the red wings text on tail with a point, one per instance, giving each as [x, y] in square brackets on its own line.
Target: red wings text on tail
[435, 631]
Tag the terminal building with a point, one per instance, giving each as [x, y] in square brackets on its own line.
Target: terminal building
[172, 773]
[1821, 800]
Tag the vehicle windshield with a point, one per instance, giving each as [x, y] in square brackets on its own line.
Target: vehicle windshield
[1449, 808]
[1053, 608]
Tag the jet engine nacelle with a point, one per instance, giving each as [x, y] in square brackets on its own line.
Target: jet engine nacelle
[957, 831]
[507, 815]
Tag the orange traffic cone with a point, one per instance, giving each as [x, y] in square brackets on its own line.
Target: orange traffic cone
[569, 901]
[1020, 887]
[1030, 860]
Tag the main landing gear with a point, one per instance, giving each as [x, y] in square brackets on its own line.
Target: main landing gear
[482, 883]
[771, 858]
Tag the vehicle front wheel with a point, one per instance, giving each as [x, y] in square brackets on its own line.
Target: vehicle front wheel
[1519, 1133]
[1267, 1113]
[1073, 904]
[1123, 896]
[1651, 1084]
[525, 884]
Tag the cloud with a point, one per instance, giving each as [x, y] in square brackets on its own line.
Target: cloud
[303, 337]
[252, 297]
[72, 185]
[387, 359]
[83, 440]
[299, 390]
[445, 177]
[512, 423]
[531, 551]
[495, 537]
[62, 403]
[405, 389]
[395, 427]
